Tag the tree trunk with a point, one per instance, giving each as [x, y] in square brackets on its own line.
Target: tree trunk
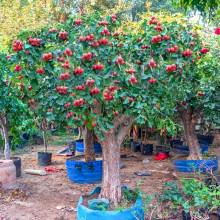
[192, 140]
[89, 145]
[189, 118]
[5, 126]
[45, 141]
[111, 182]
[7, 146]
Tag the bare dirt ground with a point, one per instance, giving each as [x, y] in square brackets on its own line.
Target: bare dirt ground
[54, 197]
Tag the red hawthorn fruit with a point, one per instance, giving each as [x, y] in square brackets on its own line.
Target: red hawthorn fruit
[184, 103]
[180, 72]
[157, 106]
[93, 124]
[164, 129]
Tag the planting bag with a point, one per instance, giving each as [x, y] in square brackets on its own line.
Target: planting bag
[81, 172]
[80, 146]
[84, 213]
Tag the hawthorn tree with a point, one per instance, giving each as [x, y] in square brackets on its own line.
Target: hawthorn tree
[11, 108]
[93, 75]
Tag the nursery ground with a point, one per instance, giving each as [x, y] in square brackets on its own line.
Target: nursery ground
[54, 197]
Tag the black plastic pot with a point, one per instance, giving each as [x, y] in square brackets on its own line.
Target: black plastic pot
[147, 149]
[26, 136]
[135, 146]
[72, 146]
[44, 159]
[208, 139]
[17, 163]
[161, 149]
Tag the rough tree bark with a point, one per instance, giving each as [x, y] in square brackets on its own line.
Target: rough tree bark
[111, 182]
[5, 126]
[89, 145]
[189, 117]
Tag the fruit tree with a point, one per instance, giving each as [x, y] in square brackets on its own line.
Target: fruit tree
[93, 75]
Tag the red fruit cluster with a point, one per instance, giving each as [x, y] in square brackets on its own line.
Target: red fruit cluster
[187, 53]
[133, 80]
[87, 56]
[166, 37]
[152, 20]
[78, 22]
[114, 18]
[116, 113]
[94, 44]
[20, 77]
[139, 39]
[63, 35]
[172, 49]
[9, 57]
[144, 46]
[171, 68]
[80, 87]
[90, 83]
[52, 30]
[94, 91]
[158, 27]
[67, 104]
[164, 82]
[64, 76]
[78, 71]
[105, 32]
[17, 46]
[180, 72]
[26, 52]
[204, 50]
[66, 65]
[21, 85]
[184, 103]
[40, 71]
[78, 103]
[73, 94]
[120, 61]
[98, 67]
[156, 39]
[48, 56]
[60, 59]
[30, 88]
[50, 109]
[62, 89]
[200, 93]
[87, 38]
[6, 81]
[152, 81]
[115, 34]
[120, 44]
[192, 43]
[34, 42]
[157, 106]
[130, 71]
[17, 68]
[152, 64]
[108, 95]
[103, 23]
[31, 101]
[69, 114]
[68, 52]
[103, 41]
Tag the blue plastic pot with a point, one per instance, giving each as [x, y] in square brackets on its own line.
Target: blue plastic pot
[84, 213]
[84, 173]
[178, 147]
[80, 146]
[196, 165]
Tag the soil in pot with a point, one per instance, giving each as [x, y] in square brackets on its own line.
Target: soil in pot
[44, 159]
[17, 163]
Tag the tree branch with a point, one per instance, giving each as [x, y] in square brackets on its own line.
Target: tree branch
[123, 130]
